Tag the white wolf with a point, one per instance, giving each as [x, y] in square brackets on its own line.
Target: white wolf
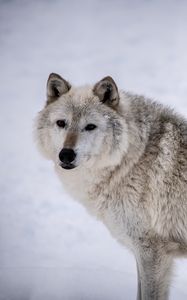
[125, 158]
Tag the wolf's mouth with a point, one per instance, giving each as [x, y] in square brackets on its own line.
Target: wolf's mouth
[67, 166]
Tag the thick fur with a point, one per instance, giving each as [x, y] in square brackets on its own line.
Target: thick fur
[130, 172]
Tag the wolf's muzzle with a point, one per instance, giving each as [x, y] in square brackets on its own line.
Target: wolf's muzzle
[67, 156]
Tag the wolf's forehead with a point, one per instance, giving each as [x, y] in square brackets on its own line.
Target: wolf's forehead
[75, 110]
[81, 101]
[83, 110]
[81, 94]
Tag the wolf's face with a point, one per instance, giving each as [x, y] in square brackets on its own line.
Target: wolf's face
[80, 126]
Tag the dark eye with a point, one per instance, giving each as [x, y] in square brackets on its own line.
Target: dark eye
[90, 127]
[61, 123]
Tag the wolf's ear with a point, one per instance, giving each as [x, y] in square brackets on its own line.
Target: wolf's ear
[56, 86]
[107, 91]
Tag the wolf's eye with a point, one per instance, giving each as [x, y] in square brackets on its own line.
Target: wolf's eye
[61, 123]
[90, 127]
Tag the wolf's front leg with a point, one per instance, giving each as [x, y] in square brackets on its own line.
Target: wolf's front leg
[139, 293]
[154, 270]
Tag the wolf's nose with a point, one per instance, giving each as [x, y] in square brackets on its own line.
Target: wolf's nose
[67, 156]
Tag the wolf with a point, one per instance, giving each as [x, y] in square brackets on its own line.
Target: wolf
[124, 157]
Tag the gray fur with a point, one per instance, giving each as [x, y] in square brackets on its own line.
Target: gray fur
[131, 173]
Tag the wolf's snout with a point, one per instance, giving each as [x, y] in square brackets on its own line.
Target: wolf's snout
[67, 156]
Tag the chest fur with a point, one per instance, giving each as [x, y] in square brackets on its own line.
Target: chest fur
[113, 199]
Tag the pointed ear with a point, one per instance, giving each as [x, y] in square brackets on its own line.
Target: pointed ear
[56, 86]
[107, 91]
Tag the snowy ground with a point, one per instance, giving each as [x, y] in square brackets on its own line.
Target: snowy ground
[49, 247]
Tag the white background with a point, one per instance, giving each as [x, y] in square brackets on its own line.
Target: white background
[50, 248]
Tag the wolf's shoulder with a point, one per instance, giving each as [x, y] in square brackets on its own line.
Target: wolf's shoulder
[150, 111]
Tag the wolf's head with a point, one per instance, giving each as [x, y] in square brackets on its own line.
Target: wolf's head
[81, 126]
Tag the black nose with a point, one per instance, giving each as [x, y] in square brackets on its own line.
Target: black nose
[67, 156]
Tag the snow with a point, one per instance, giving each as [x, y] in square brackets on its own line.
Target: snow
[50, 248]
